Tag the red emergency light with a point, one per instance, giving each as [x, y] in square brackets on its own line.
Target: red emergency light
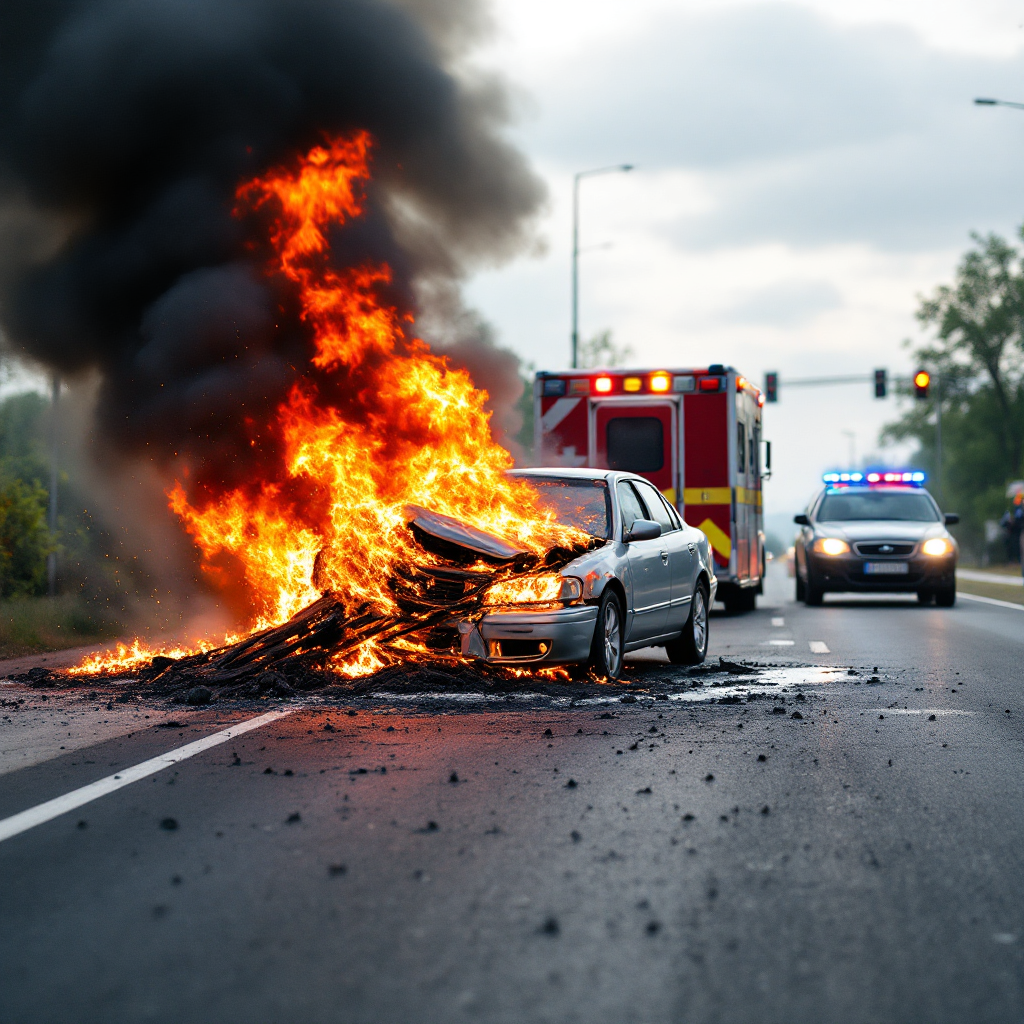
[709, 383]
[603, 385]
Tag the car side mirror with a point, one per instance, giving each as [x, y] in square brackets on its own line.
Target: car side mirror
[643, 529]
[951, 518]
[802, 520]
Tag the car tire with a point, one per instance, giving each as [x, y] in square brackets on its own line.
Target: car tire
[813, 592]
[946, 597]
[925, 596]
[800, 588]
[607, 648]
[691, 648]
[741, 600]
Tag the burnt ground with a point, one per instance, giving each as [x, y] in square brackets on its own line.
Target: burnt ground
[834, 836]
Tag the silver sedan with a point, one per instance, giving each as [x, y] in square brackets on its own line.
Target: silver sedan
[649, 585]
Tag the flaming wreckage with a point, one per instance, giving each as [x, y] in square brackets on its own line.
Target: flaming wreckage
[382, 512]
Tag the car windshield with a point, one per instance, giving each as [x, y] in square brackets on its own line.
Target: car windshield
[580, 503]
[852, 505]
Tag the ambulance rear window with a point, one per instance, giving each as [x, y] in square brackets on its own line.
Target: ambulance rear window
[635, 444]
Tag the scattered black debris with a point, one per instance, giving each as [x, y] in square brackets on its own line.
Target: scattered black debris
[334, 870]
[709, 777]
[644, 792]
[874, 681]
[547, 732]
[796, 714]
[359, 771]
[778, 710]
[351, 712]
[550, 927]
[169, 824]
[198, 695]
[653, 728]
[288, 771]
[627, 698]
[268, 771]
[328, 727]
[766, 809]
[606, 714]
[431, 826]
[172, 724]
[734, 699]
[735, 668]
[293, 818]
[453, 778]
[931, 718]
[653, 927]
[688, 817]
[881, 716]
[571, 784]
[633, 746]
[801, 696]
[575, 836]
[762, 757]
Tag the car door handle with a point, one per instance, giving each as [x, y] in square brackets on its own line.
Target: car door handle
[664, 557]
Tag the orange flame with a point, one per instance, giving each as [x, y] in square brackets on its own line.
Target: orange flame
[409, 429]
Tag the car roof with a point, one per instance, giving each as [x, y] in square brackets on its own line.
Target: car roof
[564, 472]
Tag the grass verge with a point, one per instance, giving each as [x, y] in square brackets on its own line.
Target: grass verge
[31, 625]
[997, 590]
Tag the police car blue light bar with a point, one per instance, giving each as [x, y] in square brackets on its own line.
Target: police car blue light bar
[872, 477]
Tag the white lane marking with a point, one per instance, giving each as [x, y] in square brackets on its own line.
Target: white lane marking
[938, 712]
[778, 622]
[990, 600]
[782, 643]
[818, 647]
[23, 821]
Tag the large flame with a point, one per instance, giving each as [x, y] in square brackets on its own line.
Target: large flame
[410, 430]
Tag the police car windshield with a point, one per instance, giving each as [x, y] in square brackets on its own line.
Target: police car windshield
[849, 505]
[580, 503]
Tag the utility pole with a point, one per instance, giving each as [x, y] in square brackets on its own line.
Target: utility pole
[938, 435]
[576, 250]
[51, 559]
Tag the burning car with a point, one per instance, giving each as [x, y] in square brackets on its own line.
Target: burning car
[649, 585]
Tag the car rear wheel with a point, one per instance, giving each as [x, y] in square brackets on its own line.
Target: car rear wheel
[800, 588]
[606, 651]
[692, 646]
[813, 592]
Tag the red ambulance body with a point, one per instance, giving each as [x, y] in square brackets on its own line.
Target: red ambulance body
[695, 434]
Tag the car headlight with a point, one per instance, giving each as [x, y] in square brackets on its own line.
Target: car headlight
[544, 589]
[937, 546]
[831, 546]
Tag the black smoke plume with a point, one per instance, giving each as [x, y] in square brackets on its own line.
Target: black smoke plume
[125, 128]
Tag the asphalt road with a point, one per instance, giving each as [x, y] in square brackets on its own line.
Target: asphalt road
[426, 858]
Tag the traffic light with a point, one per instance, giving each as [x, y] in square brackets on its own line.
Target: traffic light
[771, 387]
[881, 384]
[921, 381]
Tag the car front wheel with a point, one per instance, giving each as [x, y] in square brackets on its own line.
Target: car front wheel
[606, 651]
[692, 646]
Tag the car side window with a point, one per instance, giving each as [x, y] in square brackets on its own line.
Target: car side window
[657, 510]
[630, 505]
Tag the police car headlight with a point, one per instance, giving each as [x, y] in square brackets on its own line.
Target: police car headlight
[937, 546]
[831, 546]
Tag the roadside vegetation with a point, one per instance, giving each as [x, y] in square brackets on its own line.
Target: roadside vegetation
[977, 367]
[89, 605]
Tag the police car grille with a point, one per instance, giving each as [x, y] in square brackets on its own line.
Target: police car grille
[885, 549]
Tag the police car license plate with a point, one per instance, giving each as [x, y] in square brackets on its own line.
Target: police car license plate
[886, 568]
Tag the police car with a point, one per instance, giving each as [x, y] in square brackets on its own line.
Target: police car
[876, 531]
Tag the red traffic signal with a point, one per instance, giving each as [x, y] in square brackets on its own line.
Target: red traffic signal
[771, 387]
[921, 381]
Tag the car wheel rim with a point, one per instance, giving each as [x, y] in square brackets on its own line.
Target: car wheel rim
[611, 636]
[700, 622]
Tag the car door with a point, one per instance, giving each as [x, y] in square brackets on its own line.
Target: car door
[681, 549]
[648, 569]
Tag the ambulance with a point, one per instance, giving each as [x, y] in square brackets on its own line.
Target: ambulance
[694, 433]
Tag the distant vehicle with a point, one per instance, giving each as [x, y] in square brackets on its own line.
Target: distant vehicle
[650, 585]
[693, 433]
[876, 531]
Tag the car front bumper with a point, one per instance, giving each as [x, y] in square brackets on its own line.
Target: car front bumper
[846, 573]
[554, 636]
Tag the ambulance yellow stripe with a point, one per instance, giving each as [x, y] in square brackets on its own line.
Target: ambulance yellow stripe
[717, 536]
[707, 496]
[748, 496]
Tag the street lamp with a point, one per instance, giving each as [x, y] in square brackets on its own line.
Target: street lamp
[982, 102]
[576, 247]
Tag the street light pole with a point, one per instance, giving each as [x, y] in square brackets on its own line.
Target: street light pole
[51, 558]
[983, 102]
[576, 249]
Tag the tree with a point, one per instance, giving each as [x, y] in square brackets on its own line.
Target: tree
[977, 362]
[600, 350]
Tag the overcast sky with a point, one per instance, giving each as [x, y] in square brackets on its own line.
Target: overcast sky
[804, 172]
